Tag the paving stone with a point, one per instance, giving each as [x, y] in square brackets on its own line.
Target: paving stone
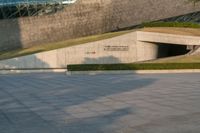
[56, 103]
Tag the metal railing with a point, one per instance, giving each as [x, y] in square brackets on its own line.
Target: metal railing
[21, 8]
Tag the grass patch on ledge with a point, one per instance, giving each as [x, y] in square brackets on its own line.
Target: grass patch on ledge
[134, 66]
[173, 30]
[177, 28]
[171, 24]
[52, 46]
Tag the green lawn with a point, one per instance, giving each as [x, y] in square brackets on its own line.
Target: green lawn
[171, 24]
[179, 59]
[174, 30]
[57, 45]
[134, 66]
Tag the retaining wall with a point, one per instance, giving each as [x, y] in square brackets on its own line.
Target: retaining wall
[128, 48]
[121, 49]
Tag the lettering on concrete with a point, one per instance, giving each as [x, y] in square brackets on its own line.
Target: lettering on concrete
[116, 48]
[91, 52]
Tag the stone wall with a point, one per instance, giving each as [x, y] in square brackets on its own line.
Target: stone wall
[86, 17]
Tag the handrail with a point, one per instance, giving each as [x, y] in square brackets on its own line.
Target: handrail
[35, 2]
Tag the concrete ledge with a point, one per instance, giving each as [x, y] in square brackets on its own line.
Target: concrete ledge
[32, 71]
[132, 72]
[99, 72]
[156, 37]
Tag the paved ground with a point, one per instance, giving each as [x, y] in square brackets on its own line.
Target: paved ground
[55, 103]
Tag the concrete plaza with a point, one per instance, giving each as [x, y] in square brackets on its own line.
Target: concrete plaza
[56, 103]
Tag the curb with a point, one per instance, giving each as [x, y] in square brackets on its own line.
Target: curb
[4, 72]
[133, 72]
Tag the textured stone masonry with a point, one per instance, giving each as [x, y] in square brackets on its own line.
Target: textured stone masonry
[87, 17]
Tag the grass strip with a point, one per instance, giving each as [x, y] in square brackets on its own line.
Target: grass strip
[171, 24]
[134, 66]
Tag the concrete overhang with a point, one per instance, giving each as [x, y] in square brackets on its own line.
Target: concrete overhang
[156, 37]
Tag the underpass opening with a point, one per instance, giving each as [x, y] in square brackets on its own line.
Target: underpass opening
[170, 50]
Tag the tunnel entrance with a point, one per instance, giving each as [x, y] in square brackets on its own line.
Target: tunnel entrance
[170, 50]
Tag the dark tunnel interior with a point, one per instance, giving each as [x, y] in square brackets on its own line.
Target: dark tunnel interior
[169, 50]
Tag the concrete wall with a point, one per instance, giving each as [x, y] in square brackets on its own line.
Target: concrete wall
[128, 48]
[168, 38]
[87, 17]
[121, 49]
